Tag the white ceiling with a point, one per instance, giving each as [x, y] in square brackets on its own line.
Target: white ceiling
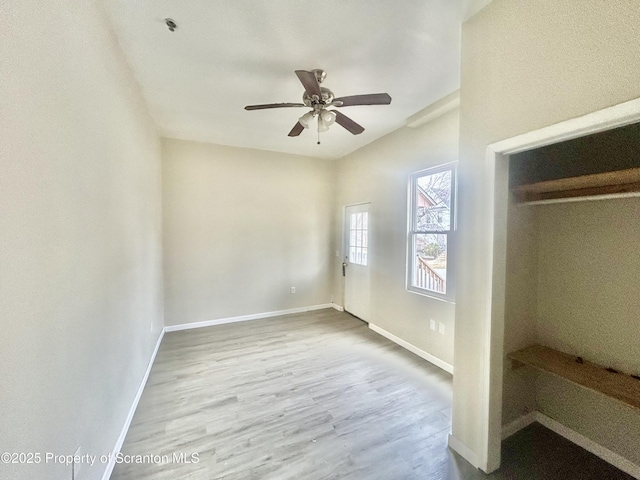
[226, 54]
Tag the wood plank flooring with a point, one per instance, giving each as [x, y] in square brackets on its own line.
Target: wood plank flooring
[315, 396]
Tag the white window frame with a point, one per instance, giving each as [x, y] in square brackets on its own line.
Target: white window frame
[449, 296]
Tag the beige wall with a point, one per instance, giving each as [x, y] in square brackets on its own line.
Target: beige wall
[241, 227]
[379, 173]
[521, 304]
[525, 65]
[589, 305]
[80, 235]
[581, 297]
[588, 289]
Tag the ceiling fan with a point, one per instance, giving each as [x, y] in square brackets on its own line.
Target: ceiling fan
[319, 99]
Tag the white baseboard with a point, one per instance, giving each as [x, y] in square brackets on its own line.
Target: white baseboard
[519, 424]
[337, 307]
[132, 411]
[243, 318]
[464, 451]
[589, 445]
[413, 349]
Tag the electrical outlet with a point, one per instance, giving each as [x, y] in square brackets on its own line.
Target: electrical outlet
[293, 289]
[432, 325]
[441, 328]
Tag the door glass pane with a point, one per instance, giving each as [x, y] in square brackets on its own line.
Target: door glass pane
[358, 237]
[430, 255]
[433, 202]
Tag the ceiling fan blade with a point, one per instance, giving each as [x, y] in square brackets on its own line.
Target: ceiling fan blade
[296, 130]
[368, 99]
[347, 123]
[273, 105]
[309, 82]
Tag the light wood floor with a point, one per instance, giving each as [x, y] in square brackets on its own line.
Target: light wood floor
[315, 396]
[310, 396]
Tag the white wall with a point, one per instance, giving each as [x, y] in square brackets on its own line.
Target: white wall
[525, 65]
[80, 235]
[379, 173]
[241, 227]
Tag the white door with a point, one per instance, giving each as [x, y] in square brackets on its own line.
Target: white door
[356, 260]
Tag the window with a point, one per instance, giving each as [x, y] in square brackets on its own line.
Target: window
[431, 231]
[358, 238]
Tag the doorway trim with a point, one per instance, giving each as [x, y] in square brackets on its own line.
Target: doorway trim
[497, 170]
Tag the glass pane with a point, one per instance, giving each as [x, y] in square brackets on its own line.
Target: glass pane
[430, 262]
[358, 238]
[433, 202]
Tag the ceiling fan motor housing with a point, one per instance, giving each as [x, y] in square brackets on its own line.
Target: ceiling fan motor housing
[313, 101]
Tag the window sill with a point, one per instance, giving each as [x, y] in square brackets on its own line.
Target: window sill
[432, 295]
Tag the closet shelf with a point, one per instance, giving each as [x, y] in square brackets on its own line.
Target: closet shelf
[620, 386]
[608, 183]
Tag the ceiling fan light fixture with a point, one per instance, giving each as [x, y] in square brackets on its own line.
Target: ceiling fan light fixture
[305, 120]
[322, 125]
[328, 117]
